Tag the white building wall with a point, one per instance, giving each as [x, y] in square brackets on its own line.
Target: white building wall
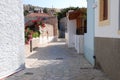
[11, 37]
[110, 30]
[89, 36]
[71, 26]
[79, 43]
[107, 42]
[73, 40]
[66, 37]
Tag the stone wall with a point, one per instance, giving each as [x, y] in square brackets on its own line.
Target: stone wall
[11, 37]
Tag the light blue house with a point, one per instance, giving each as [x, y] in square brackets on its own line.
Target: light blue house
[102, 40]
[89, 36]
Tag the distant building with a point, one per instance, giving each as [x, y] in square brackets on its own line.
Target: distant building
[75, 30]
[38, 10]
[26, 7]
[62, 27]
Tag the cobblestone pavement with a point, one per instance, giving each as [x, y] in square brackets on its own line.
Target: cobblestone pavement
[57, 62]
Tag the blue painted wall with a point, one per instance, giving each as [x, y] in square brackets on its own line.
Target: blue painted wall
[89, 36]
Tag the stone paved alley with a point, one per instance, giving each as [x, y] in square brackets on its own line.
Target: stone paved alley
[57, 62]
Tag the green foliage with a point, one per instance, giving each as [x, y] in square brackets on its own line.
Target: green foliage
[31, 8]
[36, 34]
[33, 30]
[64, 11]
[45, 10]
[26, 12]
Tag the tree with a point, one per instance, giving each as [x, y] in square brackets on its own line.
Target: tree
[45, 10]
[31, 8]
[64, 11]
[26, 12]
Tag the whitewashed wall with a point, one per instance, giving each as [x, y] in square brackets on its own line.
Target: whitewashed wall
[112, 29]
[89, 36]
[79, 43]
[107, 42]
[66, 38]
[11, 37]
[73, 40]
[71, 26]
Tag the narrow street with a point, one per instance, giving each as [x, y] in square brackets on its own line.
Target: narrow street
[57, 62]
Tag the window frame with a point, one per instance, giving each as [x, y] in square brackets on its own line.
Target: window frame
[119, 16]
[102, 21]
[119, 19]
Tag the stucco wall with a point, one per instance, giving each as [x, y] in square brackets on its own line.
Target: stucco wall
[47, 37]
[53, 21]
[89, 36]
[11, 37]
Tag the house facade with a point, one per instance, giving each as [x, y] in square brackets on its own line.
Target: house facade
[89, 35]
[47, 34]
[107, 37]
[75, 30]
[47, 19]
[11, 37]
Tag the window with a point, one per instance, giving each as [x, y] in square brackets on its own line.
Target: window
[104, 12]
[81, 26]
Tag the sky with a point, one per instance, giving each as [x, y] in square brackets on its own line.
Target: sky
[57, 3]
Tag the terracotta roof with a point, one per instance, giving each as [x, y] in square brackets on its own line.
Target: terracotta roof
[38, 15]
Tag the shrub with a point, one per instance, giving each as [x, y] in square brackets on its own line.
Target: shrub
[33, 31]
